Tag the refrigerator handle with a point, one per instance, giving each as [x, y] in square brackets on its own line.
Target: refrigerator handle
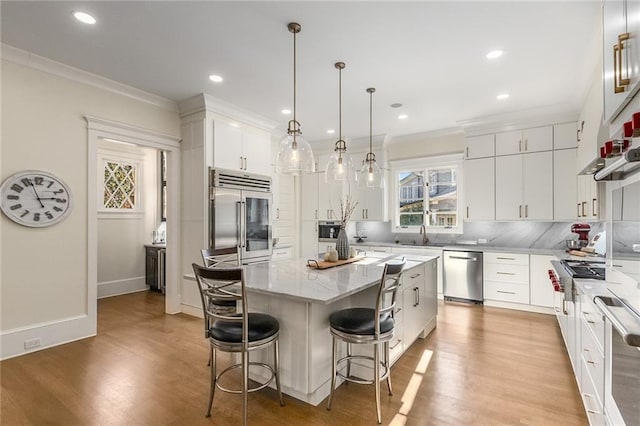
[239, 225]
[243, 230]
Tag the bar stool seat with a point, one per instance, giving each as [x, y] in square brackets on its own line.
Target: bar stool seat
[261, 326]
[360, 321]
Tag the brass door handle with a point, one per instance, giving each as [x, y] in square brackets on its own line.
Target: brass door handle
[618, 81]
[593, 207]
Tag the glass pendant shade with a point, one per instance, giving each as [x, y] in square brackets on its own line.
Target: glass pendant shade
[340, 168]
[370, 175]
[295, 156]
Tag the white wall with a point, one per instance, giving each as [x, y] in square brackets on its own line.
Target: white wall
[44, 271]
[414, 146]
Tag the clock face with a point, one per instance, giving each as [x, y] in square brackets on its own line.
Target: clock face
[35, 198]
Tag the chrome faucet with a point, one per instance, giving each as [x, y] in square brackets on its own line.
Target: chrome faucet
[423, 232]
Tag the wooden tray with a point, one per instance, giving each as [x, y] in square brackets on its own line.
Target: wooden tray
[321, 264]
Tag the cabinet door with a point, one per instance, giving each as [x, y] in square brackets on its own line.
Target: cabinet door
[509, 188]
[480, 146]
[227, 146]
[508, 143]
[541, 290]
[537, 139]
[329, 196]
[479, 189]
[309, 196]
[309, 239]
[284, 209]
[256, 151]
[565, 136]
[631, 203]
[375, 206]
[613, 24]
[413, 311]
[565, 184]
[537, 176]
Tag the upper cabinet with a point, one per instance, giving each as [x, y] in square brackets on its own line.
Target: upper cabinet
[479, 146]
[241, 148]
[479, 189]
[527, 140]
[565, 136]
[620, 54]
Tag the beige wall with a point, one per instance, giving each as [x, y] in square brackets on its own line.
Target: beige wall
[44, 271]
[413, 146]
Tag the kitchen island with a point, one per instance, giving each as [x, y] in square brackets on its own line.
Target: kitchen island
[302, 298]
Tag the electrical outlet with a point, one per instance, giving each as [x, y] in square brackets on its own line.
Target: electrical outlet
[482, 241]
[31, 343]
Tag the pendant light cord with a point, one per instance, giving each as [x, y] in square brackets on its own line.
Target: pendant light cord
[294, 82]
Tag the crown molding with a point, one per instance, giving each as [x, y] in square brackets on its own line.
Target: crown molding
[31, 60]
[204, 102]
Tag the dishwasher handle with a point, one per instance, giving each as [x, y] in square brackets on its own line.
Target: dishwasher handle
[473, 259]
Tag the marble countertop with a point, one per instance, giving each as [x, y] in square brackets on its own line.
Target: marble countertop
[293, 279]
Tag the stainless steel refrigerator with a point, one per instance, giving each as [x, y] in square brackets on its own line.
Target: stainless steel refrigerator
[240, 214]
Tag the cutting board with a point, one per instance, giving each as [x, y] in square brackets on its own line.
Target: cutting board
[321, 264]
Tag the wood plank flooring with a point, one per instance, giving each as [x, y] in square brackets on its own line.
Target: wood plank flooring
[480, 366]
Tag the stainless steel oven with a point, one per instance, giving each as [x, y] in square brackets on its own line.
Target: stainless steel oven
[622, 372]
[328, 230]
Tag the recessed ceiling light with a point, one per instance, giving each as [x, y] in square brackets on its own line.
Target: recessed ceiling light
[494, 54]
[286, 111]
[395, 105]
[502, 96]
[403, 116]
[85, 18]
[215, 78]
[331, 131]
[234, 124]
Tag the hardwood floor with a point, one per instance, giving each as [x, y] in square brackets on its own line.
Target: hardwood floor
[480, 366]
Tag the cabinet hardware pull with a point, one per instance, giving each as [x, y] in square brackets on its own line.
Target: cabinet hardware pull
[414, 276]
[367, 213]
[520, 211]
[467, 152]
[593, 206]
[526, 210]
[394, 346]
[505, 273]
[363, 213]
[583, 206]
[506, 292]
[506, 258]
[397, 310]
[525, 144]
[619, 82]
[245, 163]
[467, 212]
[418, 290]
[578, 210]
[316, 213]
[278, 213]
[520, 145]
[241, 164]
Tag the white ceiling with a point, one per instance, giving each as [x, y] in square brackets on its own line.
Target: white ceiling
[429, 56]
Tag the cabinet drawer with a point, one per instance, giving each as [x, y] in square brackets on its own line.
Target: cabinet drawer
[594, 321]
[593, 360]
[378, 249]
[515, 274]
[413, 276]
[507, 258]
[592, 405]
[280, 254]
[516, 293]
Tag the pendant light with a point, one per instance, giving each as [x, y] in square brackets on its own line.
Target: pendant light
[295, 155]
[340, 166]
[370, 174]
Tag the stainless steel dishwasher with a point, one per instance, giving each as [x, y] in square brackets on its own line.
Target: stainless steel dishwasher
[462, 277]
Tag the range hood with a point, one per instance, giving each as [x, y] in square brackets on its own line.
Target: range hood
[623, 166]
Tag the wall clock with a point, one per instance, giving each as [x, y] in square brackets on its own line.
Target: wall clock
[35, 198]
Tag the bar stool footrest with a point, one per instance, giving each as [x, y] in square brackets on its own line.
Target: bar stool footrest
[384, 370]
[259, 386]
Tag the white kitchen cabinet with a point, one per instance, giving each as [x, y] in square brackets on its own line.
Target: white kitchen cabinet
[540, 288]
[329, 195]
[631, 205]
[419, 300]
[424, 252]
[588, 202]
[479, 189]
[524, 186]
[282, 253]
[565, 136]
[620, 55]
[565, 184]
[479, 146]
[309, 239]
[527, 140]
[241, 148]
[309, 196]
[506, 277]
[283, 213]
[372, 205]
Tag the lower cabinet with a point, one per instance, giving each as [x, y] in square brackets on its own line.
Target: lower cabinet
[506, 277]
[282, 253]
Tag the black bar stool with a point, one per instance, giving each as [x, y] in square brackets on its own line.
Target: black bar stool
[373, 326]
[237, 332]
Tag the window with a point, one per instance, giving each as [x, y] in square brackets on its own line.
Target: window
[427, 194]
[120, 185]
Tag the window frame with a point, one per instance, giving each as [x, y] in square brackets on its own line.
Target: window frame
[424, 165]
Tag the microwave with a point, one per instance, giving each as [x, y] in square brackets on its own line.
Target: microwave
[328, 230]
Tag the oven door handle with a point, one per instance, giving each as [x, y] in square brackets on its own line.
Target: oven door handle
[622, 319]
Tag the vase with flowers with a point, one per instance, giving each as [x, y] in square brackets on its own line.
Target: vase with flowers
[347, 206]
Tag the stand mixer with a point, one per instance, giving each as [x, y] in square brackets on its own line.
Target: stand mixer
[582, 229]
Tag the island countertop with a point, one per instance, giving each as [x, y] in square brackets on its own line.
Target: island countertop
[293, 279]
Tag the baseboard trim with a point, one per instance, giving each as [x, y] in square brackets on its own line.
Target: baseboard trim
[519, 307]
[50, 334]
[118, 287]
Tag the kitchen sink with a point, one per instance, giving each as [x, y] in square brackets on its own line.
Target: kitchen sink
[429, 244]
